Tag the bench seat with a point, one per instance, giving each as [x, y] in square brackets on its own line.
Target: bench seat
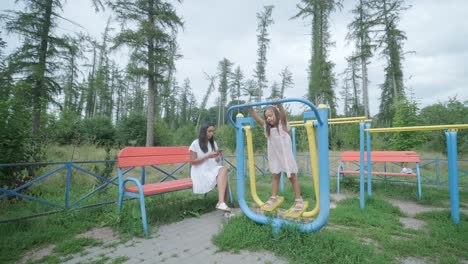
[163, 187]
[380, 173]
[380, 157]
[142, 157]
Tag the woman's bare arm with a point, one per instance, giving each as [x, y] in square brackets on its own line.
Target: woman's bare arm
[195, 160]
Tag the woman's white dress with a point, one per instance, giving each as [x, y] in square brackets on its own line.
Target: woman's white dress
[280, 155]
[204, 174]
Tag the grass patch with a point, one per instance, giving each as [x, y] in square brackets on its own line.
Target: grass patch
[297, 247]
[352, 235]
[75, 245]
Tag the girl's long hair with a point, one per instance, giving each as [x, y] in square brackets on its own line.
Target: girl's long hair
[277, 118]
[203, 139]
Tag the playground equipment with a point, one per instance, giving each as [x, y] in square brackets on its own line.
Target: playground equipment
[253, 189]
[321, 124]
[451, 135]
[313, 149]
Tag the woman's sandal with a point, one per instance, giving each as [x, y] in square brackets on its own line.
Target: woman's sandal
[223, 207]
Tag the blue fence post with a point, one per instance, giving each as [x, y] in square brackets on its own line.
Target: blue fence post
[263, 165]
[453, 175]
[361, 165]
[67, 187]
[437, 168]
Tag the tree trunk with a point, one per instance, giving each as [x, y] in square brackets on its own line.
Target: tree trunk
[365, 94]
[39, 82]
[151, 82]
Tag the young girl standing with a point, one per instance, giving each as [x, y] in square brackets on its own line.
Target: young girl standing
[280, 156]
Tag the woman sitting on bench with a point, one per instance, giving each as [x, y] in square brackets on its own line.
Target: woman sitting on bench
[206, 172]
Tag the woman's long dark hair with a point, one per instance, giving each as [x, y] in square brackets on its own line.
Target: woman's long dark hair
[277, 116]
[203, 139]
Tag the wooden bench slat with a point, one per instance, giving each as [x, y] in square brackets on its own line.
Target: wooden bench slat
[152, 151]
[130, 157]
[162, 187]
[127, 162]
[380, 173]
[382, 156]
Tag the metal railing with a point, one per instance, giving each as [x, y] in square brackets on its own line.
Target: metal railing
[67, 178]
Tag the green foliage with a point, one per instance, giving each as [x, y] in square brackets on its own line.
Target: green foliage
[131, 130]
[16, 142]
[226, 137]
[184, 135]
[98, 130]
[451, 112]
[67, 129]
[405, 115]
[163, 135]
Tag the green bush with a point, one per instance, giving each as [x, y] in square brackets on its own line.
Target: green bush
[131, 130]
[66, 130]
[98, 130]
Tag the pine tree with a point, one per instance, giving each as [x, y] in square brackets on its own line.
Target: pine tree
[390, 40]
[224, 77]
[264, 21]
[286, 81]
[359, 31]
[321, 78]
[237, 84]
[156, 22]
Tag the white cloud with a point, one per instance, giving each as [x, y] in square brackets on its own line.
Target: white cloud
[437, 32]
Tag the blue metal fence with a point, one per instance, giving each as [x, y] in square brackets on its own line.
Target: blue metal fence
[433, 171]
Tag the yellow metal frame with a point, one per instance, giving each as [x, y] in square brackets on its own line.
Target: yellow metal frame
[314, 164]
[251, 166]
[416, 128]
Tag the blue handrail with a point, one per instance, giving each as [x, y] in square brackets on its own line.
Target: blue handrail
[286, 100]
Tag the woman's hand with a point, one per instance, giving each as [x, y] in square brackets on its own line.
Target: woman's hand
[213, 155]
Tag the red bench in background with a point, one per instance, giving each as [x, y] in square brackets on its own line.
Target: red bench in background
[132, 157]
[381, 157]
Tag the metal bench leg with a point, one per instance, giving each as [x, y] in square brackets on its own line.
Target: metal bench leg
[143, 213]
[418, 175]
[121, 196]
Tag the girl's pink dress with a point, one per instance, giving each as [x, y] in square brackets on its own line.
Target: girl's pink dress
[280, 155]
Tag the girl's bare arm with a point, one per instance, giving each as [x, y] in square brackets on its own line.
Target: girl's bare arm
[283, 117]
[255, 115]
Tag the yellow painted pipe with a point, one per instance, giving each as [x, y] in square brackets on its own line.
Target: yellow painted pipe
[334, 122]
[250, 155]
[350, 121]
[335, 119]
[416, 128]
[347, 118]
[314, 164]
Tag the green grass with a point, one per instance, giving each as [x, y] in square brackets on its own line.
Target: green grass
[352, 235]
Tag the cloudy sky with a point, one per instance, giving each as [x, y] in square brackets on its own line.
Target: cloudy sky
[435, 67]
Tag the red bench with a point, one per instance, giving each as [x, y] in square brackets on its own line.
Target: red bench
[132, 157]
[381, 157]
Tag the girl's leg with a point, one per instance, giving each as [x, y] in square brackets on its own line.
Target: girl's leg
[222, 181]
[275, 184]
[295, 185]
[299, 203]
[273, 200]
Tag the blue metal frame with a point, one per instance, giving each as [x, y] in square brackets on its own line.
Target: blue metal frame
[430, 179]
[324, 185]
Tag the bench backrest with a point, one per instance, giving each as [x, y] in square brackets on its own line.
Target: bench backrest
[145, 156]
[382, 156]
